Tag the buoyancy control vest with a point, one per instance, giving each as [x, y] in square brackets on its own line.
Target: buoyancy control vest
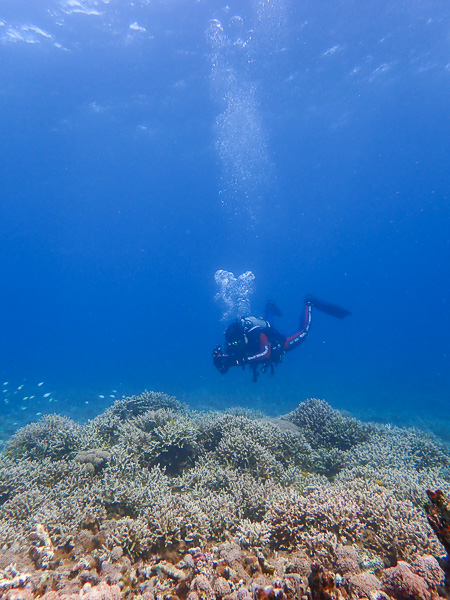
[254, 326]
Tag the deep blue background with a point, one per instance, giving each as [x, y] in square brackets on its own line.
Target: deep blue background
[117, 206]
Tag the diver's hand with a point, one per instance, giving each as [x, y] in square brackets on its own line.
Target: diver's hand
[222, 361]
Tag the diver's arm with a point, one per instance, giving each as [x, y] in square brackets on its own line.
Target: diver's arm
[263, 354]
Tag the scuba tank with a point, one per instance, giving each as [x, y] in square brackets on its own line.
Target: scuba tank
[251, 323]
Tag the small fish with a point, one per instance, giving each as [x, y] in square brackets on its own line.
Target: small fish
[4, 391]
[20, 387]
[87, 402]
[111, 396]
[31, 397]
[47, 394]
[380, 482]
[40, 383]
[23, 407]
[38, 414]
[114, 391]
[101, 396]
[5, 382]
[25, 398]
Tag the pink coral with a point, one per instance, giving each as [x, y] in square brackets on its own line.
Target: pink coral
[221, 587]
[25, 594]
[401, 583]
[428, 568]
[299, 563]
[346, 560]
[203, 588]
[362, 584]
[103, 591]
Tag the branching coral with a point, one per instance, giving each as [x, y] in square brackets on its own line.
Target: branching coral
[151, 474]
[360, 513]
[258, 446]
[404, 460]
[327, 427]
[53, 437]
[105, 427]
[162, 437]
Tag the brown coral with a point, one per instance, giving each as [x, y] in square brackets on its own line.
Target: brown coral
[438, 513]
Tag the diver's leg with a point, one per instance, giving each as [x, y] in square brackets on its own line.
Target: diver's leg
[271, 311]
[299, 336]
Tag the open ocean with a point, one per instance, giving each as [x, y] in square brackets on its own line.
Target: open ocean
[145, 145]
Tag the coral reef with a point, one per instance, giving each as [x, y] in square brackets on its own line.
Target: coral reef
[153, 500]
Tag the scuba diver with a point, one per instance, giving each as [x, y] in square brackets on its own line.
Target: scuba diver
[254, 341]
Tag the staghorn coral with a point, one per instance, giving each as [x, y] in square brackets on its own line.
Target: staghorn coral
[55, 494]
[105, 427]
[259, 446]
[405, 460]
[132, 535]
[361, 513]
[250, 534]
[132, 406]
[53, 436]
[160, 437]
[324, 426]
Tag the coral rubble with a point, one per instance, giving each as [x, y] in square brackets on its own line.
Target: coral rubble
[152, 500]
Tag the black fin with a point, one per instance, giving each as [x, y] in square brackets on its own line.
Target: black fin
[271, 307]
[326, 307]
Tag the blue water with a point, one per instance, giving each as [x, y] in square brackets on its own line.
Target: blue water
[144, 145]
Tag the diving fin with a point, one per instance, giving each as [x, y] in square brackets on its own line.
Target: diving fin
[326, 307]
[272, 308]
